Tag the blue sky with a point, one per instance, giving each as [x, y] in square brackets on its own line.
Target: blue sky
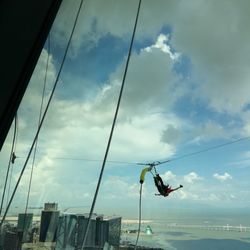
[186, 90]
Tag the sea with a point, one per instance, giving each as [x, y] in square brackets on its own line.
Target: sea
[192, 230]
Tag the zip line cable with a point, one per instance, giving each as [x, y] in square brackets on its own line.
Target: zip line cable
[85, 159]
[39, 120]
[196, 152]
[139, 227]
[210, 148]
[156, 162]
[112, 128]
[10, 162]
[94, 160]
[45, 112]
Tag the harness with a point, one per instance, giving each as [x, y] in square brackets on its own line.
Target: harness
[160, 185]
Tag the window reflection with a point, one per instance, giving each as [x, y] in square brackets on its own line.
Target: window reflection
[186, 92]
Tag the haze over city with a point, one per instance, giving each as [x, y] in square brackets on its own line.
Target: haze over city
[187, 90]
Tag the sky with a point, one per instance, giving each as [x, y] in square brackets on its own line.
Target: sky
[186, 90]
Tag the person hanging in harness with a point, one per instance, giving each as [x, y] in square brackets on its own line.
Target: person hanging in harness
[163, 189]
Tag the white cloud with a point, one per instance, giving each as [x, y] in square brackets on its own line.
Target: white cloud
[223, 178]
[80, 128]
[146, 128]
[168, 176]
[213, 197]
[218, 52]
[187, 195]
[114, 186]
[192, 177]
[161, 43]
[96, 20]
[151, 84]
[65, 134]
[30, 107]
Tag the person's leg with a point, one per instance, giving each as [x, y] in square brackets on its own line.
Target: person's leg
[174, 189]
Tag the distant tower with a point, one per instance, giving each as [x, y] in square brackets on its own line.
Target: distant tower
[49, 222]
[24, 225]
[149, 230]
[50, 206]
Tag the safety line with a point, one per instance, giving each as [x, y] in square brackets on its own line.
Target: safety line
[155, 162]
[44, 114]
[210, 148]
[112, 129]
[39, 120]
[94, 160]
[139, 227]
[9, 163]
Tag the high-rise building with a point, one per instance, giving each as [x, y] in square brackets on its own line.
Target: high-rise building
[12, 240]
[24, 225]
[50, 206]
[102, 229]
[49, 223]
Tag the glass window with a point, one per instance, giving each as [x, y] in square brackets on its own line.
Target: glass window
[184, 109]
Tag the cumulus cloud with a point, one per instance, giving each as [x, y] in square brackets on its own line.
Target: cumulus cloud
[33, 98]
[161, 43]
[192, 177]
[185, 195]
[219, 64]
[168, 176]
[114, 186]
[146, 128]
[223, 177]
[96, 21]
[219, 60]
[80, 129]
[172, 134]
[151, 84]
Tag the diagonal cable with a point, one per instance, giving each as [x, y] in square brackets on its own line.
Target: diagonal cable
[35, 148]
[39, 120]
[112, 128]
[9, 164]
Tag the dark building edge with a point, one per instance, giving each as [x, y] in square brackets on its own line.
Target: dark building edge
[20, 50]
